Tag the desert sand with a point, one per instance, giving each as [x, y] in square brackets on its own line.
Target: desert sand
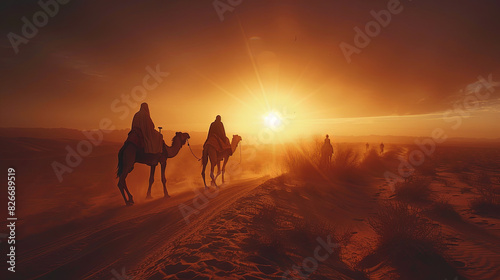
[266, 222]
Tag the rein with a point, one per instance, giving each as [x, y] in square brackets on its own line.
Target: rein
[192, 151]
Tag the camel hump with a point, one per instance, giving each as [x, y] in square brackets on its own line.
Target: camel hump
[217, 143]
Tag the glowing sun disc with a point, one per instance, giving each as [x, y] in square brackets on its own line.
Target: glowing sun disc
[272, 120]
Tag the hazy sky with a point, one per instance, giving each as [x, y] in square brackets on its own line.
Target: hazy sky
[265, 56]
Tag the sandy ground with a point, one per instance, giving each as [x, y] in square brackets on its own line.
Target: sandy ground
[254, 227]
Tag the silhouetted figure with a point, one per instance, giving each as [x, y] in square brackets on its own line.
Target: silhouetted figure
[367, 146]
[217, 135]
[143, 125]
[326, 152]
[382, 148]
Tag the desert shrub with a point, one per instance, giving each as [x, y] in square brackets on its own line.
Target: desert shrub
[346, 166]
[411, 243]
[301, 160]
[488, 201]
[402, 230]
[373, 162]
[488, 205]
[274, 234]
[391, 155]
[480, 180]
[442, 208]
[346, 158]
[414, 188]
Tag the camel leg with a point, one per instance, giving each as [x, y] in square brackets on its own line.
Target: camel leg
[128, 161]
[130, 197]
[164, 179]
[204, 166]
[213, 161]
[212, 167]
[218, 169]
[224, 168]
[121, 183]
[151, 181]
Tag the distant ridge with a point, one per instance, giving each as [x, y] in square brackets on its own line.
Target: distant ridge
[198, 138]
[373, 139]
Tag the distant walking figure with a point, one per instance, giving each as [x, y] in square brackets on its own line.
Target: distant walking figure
[381, 148]
[326, 153]
[217, 148]
[367, 146]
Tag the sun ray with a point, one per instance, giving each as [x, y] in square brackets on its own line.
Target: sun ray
[254, 65]
[301, 75]
[222, 89]
[249, 90]
[311, 94]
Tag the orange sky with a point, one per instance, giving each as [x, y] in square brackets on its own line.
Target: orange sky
[280, 56]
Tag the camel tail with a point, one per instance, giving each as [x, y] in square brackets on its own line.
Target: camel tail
[119, 171]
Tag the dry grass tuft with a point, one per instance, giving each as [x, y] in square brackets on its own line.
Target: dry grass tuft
[488, 201]
[347, 165]
[402, 229]
[410, 243]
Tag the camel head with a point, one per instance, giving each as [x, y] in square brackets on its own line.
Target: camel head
[236, 139]
[183, 137]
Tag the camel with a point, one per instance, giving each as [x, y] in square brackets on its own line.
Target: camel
[211, 153]
[129, 155]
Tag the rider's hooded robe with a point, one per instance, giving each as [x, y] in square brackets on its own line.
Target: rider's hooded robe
[142, 122]
[217, 136]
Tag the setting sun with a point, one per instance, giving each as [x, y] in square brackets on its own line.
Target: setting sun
[273, 120]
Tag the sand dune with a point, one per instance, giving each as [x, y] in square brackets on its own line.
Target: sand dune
[254, 227]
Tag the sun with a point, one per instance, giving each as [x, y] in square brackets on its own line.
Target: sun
[273, 120]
